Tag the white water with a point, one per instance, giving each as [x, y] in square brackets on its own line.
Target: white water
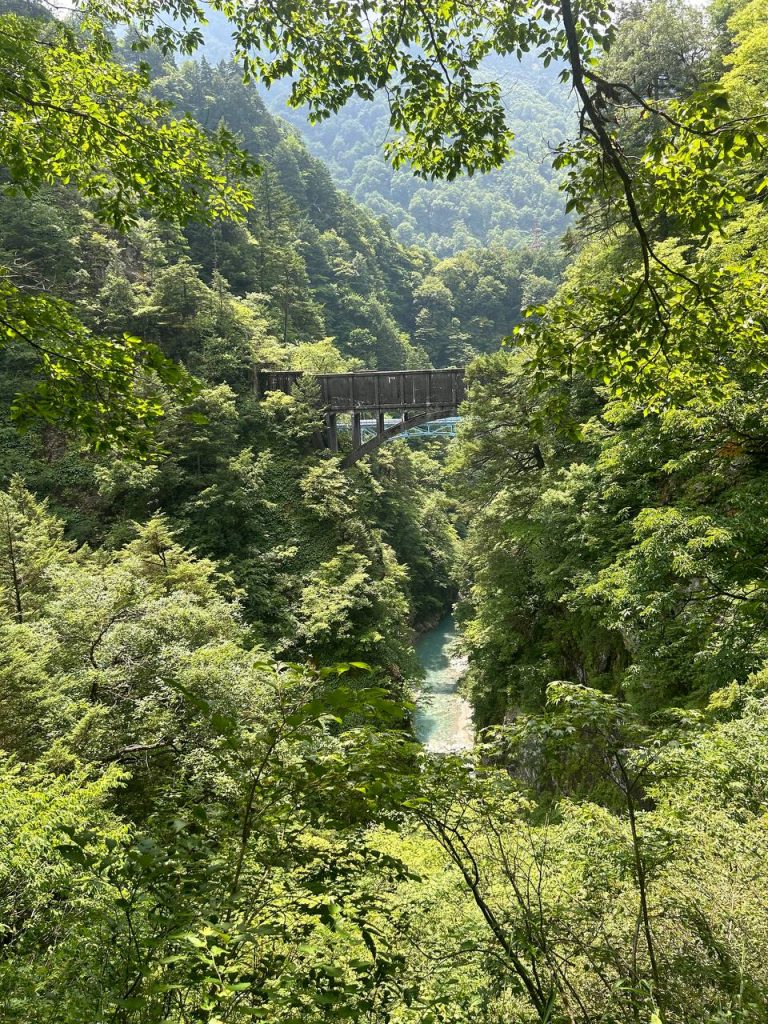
[443, 718]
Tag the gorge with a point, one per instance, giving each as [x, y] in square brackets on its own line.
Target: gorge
[468, 727]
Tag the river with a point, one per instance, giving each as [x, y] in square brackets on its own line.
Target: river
[443, 718]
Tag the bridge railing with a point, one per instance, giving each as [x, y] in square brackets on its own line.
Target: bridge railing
[377, 389]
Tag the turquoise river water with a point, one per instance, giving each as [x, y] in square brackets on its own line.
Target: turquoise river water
[443, 719]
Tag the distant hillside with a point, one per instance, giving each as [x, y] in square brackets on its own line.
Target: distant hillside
[324, 265]
[518, 204]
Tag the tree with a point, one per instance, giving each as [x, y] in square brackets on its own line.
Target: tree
[33, 548]
[177, 784]
[614, 905]
[661, 49]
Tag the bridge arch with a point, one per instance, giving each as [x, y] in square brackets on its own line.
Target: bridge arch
[401, 427]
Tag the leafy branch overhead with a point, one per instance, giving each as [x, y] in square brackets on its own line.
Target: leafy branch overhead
[72, 114]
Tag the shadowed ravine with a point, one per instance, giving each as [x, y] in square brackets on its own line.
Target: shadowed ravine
[443, 719]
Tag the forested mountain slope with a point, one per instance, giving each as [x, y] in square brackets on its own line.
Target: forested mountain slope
[618, 519]
[517, 205]
[309, 263]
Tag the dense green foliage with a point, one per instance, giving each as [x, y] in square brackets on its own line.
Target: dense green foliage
[212, 807]
[467, 301]
[150, 729]
[630, 545]
[71, 114]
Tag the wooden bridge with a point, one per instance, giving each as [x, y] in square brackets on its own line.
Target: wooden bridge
[419, 396]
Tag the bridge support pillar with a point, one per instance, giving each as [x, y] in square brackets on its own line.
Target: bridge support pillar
[357, 431]
[380, 427]
[331, 433]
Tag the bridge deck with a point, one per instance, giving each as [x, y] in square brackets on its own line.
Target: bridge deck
[381, 390]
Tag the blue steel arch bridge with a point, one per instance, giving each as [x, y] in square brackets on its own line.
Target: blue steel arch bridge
[382, 404]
